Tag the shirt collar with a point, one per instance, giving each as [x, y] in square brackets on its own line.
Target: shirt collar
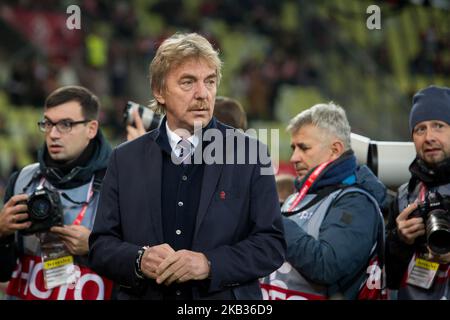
[174, 138]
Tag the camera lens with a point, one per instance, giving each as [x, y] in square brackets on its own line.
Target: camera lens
[39, 209]
[438, 231]
[150, 119]
[128, 112]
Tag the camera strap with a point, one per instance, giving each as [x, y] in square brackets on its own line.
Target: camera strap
[307, 185]
[422, 192]
[89, 195]
[41, 183]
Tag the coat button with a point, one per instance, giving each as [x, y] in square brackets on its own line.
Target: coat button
[178, 232]
[184, 178]
[180, 204]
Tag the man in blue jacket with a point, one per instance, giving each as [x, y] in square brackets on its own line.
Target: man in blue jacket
[333, 225]
[169, 227]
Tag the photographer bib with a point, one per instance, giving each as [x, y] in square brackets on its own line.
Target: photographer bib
[27, 283]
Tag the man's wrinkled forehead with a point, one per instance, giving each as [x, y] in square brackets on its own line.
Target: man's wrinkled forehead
[190, 60]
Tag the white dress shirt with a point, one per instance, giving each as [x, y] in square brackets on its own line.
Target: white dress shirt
[174, 139]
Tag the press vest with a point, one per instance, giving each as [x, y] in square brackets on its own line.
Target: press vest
[27, 279]
[440, 287]
[287, 283]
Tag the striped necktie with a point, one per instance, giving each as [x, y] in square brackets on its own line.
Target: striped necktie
[186, 150]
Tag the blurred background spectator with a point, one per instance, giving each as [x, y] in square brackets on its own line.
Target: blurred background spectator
[230, 112]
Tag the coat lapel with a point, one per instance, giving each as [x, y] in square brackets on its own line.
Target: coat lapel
[153, 171]
[211, 177]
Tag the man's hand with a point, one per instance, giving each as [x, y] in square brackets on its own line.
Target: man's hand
[182, 266]
[153, 257]
[409, 229]
[139, 130]
[76, 238]
[13, 214]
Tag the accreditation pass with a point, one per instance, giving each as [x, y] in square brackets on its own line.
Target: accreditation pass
[422, 273]
[57, 271]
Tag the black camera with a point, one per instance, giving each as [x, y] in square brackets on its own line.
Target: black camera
[44, 210]
[435, 213]
[150, 119]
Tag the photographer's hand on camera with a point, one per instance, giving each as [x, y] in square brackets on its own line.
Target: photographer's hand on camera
[409, 229]
[139, 130]
[74, 237]
[13, 214]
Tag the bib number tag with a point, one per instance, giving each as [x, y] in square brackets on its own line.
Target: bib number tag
[57, 262]
[422, 273]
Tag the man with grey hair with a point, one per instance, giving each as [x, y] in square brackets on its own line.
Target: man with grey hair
[184, 230]
[333, 224]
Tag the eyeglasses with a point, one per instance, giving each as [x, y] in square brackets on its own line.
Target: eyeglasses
[62, 126]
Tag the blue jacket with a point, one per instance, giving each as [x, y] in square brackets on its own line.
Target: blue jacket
[347, 234]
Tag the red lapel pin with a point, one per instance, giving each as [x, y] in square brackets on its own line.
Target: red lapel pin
[222, 195]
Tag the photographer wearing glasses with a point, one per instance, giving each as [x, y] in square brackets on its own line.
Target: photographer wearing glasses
[418, 230]
[50, 206]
